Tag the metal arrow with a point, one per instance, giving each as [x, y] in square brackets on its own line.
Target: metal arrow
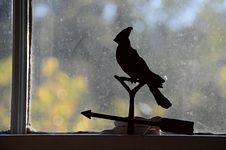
[90, 114]
[165, 124]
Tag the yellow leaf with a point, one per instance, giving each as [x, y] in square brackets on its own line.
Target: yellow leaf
[50, 66]
[223, 74]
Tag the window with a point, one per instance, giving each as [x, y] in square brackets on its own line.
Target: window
[71, 63]
[5, 62]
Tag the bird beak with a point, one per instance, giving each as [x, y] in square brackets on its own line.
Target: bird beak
[124, 34]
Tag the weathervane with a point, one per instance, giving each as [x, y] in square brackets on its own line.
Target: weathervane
[138, 71]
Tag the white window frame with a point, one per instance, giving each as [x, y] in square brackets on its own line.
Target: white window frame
[19, 100]
[19, 67]
[20, 109]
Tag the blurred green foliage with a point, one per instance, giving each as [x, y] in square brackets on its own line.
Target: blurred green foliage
[57, 99]
[5, 92]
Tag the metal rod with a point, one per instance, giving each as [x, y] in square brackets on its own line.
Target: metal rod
[132, 93]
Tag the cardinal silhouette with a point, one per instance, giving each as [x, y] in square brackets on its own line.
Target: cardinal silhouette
[135, 66]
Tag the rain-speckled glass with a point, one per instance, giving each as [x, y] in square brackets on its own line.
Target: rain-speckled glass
[73, 61]
[5, 62]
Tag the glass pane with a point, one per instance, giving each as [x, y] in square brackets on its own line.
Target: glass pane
[74, 61]
[5, 62]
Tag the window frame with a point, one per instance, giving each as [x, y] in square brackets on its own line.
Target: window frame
[19, 98]
[20, 109]
[110, 142]
[21, 87]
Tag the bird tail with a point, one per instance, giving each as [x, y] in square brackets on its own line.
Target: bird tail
[159, 97]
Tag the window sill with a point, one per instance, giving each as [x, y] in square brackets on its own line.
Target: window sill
[111, 142]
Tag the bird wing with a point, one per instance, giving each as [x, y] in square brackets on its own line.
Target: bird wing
[142, 71]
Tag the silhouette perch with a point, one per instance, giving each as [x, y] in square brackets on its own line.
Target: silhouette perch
[134, 66]
[132, 92]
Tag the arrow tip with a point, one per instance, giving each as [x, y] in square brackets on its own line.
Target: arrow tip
[87, 113]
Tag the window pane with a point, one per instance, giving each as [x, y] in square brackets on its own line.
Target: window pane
[74, 61]
[5, 62]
